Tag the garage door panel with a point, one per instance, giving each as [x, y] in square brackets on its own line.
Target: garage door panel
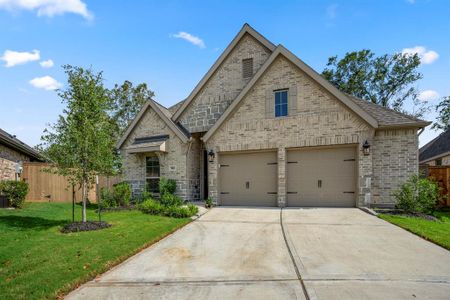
[248, 179]
[321, 177]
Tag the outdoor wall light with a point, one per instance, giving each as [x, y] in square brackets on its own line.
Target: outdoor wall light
[366, 148]
[211, 156]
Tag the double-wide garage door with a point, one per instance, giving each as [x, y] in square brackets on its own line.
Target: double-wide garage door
[315, 177]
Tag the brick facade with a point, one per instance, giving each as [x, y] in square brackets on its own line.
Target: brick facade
[319, 120]
[316, 118]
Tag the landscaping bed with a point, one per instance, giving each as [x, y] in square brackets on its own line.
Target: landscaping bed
[84, 226]
[38, 261]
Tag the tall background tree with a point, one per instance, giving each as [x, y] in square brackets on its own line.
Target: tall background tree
[387, 80]
[127, 101]
[443, 119]
[81, 142]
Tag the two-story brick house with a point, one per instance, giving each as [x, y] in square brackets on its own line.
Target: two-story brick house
[263, 128]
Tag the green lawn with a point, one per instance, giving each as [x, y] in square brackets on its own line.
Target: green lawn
[37, 261]
[435, 231]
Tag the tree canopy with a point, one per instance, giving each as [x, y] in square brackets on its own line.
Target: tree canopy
[443, 119]
[386, 80]
[81, 142]
[127, 101]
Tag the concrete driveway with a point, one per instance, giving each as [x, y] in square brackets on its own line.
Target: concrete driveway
[266, 253]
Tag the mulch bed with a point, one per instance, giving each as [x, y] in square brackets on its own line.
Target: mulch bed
[84, 226]
[406, 214]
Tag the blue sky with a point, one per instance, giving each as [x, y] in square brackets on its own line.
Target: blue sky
[171, 44]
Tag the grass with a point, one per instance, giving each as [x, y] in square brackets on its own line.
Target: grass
[435, 231]
[37, 261]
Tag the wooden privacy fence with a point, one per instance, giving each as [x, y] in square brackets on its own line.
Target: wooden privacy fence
[49, 187]
[440, 174]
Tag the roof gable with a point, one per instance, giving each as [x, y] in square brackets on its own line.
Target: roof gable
[280, 50]
[163, 113]
[246, 29]
[13, 142]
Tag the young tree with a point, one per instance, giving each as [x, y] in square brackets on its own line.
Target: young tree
[127, 102]
[386, 80]
[443, 119]
[81, 142]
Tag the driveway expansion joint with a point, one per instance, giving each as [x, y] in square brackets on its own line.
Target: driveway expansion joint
[297, 271]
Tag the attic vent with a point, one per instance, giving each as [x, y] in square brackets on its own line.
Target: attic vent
[247, 67]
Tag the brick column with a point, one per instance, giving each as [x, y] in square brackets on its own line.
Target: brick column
[365, 197]
[281, 198]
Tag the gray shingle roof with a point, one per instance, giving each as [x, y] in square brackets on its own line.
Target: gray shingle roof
[12, 142]
[438, 146]
[387, 117]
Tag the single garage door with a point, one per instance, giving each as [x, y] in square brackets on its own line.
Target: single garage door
[321, 177]
[248, 179]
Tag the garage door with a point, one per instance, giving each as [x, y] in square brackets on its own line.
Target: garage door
[248, 179]
[321, 177]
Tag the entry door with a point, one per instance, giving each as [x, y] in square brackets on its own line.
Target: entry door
[248, 179]
[322, 177]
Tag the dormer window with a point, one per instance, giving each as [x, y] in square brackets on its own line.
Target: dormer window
[247, 67]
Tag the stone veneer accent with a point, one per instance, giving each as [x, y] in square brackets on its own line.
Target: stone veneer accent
[8, 159]
[173, 164]
[224, 86]
[320, 120]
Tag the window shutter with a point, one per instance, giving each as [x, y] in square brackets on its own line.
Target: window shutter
[270, 104]
[292, 101]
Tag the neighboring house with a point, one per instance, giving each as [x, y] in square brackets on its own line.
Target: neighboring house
[263, 128]
[436, 152]
[13, 152]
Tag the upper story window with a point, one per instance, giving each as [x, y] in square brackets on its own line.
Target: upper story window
[438, 162]
[152, 172]
[247, 67]
[281, 103]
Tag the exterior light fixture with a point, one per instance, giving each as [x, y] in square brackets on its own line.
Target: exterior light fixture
[366, 148]
[211, 156]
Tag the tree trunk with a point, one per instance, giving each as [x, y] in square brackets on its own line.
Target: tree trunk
[84, 195]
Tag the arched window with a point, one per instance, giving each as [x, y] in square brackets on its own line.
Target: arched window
[152, 173]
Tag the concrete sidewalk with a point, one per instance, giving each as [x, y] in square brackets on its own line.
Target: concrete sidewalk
[241, 253]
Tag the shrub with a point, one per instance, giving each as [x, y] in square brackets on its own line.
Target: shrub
[171, 200]
[151, 206]
[107, 198]
[180, 211]
[15, 191]
[167, 186]
[193, 209]
[122, 193]
[417, 195]
[209, 202]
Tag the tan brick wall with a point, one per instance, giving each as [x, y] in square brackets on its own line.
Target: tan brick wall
[172, 163]
[223, 86]
[320, 120]
[395, 159]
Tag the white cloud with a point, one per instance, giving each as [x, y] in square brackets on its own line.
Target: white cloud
[47, 63]
[426, 56]
[48, 8]
[332, 11]
[47, 83]
[13, 58]
[195, 40]
[428, 95]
